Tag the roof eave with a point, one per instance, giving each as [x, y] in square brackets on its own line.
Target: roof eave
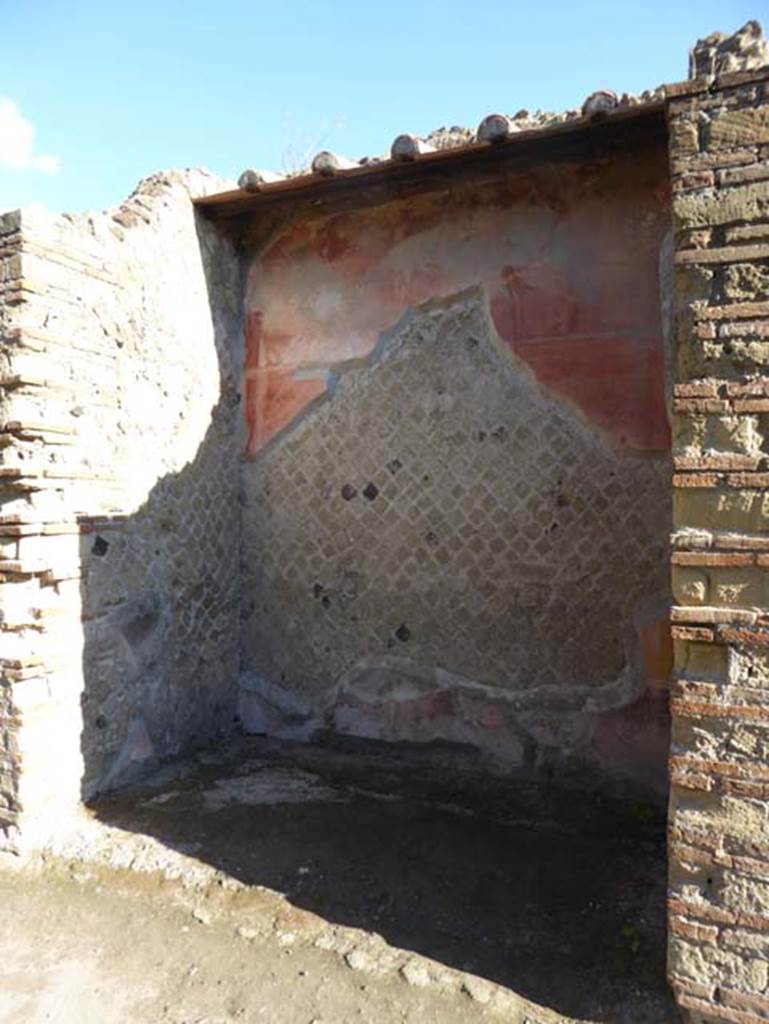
[240, 202]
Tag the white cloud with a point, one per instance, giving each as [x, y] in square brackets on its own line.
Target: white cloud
[17, 142]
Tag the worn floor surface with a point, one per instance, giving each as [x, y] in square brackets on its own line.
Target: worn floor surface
[256, 886]
[75, 953]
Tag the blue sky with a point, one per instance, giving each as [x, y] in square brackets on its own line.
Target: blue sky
[114, 91]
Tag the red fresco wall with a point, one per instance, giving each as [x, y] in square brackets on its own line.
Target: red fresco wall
[568, 256]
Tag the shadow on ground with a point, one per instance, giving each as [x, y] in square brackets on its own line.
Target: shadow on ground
[571, 917]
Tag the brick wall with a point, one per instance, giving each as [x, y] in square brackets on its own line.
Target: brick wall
[719, 813]
[118, 474]
[10, 279]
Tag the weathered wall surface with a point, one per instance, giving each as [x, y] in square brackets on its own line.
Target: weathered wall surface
[464, 535]
[719, 814]
[568, 255]
[119, 513]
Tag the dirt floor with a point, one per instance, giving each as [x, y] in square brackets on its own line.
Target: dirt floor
[254, 885]
[76, 953]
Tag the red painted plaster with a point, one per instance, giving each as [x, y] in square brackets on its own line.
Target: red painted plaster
[636, 738]
[569, 258]
[254, 329]
[657, 648]
[274, 398]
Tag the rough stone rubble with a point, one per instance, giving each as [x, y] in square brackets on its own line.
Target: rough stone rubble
[719, 54]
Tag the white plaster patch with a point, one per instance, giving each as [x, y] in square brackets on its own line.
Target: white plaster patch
[269, 786]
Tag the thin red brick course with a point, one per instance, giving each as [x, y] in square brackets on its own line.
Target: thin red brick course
[686, 480]
[702, 709]
[704, 161]
[707, 405]
[696, 389]
[702, 910]
[751, 866]
[744, 1000]
[748, 480]
[692, 633]
[737, 310]
[715, 558]
[693, 688]
[749, 637]
[693, 988]
[751, 405]
[705, 933]
[732, 769]
[724, 254]
[692, 180]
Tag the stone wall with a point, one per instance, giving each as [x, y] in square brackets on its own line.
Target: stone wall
[719, 814]
[118, 505]
[456, 518]
[10, 275]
